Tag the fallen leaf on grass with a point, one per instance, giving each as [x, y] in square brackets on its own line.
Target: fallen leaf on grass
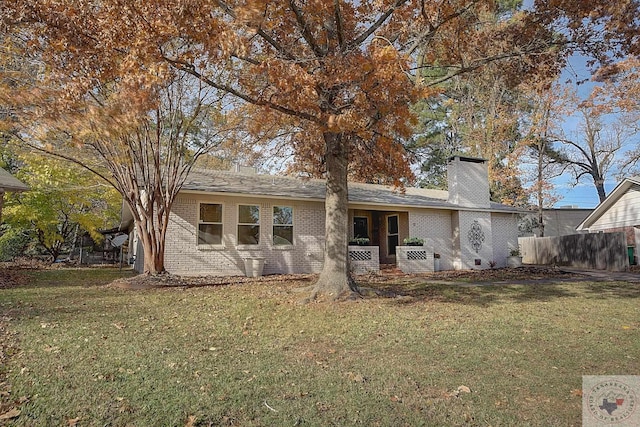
[358, 378]
[73, 422]
[576, 392]
[191, 421]
[12, 413]
[460, 389]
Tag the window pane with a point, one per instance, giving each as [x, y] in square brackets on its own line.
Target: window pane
[248, 214]
[210, 212]
[248, 234]
[210, 234]
[282, 235]
[393, 224]
[360, 227]
[393, 242]
[282, 215]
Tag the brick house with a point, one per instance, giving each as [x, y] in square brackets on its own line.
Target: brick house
[219, 219]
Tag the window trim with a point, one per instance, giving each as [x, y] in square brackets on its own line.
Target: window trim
[238, 224]
[209, 246]
[273, 225]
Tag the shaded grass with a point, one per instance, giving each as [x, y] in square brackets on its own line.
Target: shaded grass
[251, 355]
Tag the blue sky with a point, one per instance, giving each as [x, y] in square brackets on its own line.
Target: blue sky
[584, 194]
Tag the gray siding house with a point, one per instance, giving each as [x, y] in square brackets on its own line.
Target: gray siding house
[620, 211]
[221, 219]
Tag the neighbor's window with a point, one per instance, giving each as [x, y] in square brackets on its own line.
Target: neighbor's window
[282, 225]
[248, 225]
[210, 224]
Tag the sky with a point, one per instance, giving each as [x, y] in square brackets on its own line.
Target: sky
[584, 194]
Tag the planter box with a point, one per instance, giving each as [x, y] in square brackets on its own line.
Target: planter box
[514, 261]
[364, 259]
[253, 266]
[415, 259]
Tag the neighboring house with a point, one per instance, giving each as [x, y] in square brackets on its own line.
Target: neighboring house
[560, 221]
[221, 218]
[8, 183]
[620, 211]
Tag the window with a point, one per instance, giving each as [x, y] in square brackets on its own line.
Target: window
[360, 227]
[282, 225]
[392, 234]
[248, 225]
[210, 224]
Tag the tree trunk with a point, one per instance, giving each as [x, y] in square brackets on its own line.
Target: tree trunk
[1, 203]
[153, 242]
[541, 191]
[335, 279]
[599, 184]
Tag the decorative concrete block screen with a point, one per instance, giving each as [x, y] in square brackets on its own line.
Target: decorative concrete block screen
[364, 259]
[414, 259]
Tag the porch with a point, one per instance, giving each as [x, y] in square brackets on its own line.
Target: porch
[376, 242]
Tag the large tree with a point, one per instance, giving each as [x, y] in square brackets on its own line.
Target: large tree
[342, 71]
[540, 159]
[141, 134]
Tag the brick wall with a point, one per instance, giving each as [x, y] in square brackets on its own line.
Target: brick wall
[434, 226]
[474, 227]
[505, 236]
[184, 256]
[415, 259]
[468, 182]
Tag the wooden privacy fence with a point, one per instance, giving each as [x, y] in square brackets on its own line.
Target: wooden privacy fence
[601, 251]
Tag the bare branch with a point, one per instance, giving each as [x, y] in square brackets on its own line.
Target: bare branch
[376, 25]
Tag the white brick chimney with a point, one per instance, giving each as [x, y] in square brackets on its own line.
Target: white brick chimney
[468, 180]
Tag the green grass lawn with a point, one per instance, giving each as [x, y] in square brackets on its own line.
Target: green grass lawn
[250, 355]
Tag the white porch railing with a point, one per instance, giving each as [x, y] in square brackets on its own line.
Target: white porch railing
[364, 259]
[415, 259]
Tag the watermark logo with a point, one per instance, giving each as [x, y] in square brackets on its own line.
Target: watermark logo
[610, 400]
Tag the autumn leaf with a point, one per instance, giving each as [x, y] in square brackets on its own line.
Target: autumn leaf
[12, 413]
[191, 421]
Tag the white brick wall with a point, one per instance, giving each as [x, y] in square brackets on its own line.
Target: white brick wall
[468, 254]
[364, 259]
[505, 236]
[415, 259]
[445, 232]
[183, 256]
[468, 183]
[434, 226]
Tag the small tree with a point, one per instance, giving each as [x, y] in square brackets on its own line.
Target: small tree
[62, 199]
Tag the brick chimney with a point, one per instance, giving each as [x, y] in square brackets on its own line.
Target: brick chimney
[468, 180]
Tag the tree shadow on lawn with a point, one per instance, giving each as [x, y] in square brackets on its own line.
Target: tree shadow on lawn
[485, 294]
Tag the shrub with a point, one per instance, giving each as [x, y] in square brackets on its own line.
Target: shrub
[13, 242]
[413, 241]
[359, 241]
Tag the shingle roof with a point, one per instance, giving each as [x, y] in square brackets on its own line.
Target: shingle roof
[611, 199]
[314, 189]
[10, 183]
